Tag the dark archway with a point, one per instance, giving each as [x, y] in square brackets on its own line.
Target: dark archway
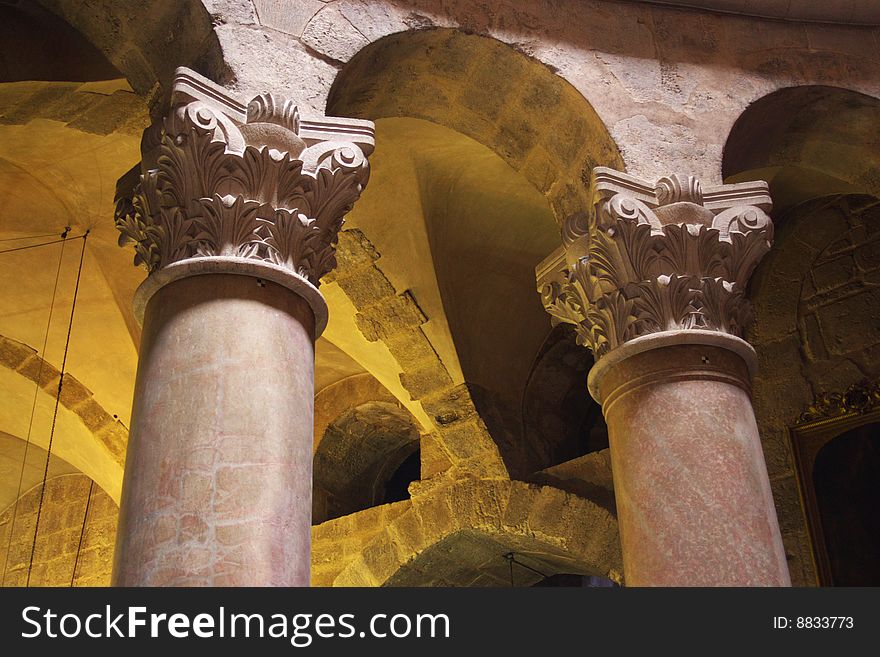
[846, 476]
[368, 456]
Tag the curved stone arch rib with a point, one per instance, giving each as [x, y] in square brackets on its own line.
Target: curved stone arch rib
[461, 442]
[100, 108]
[76, 534]
[481, 87]
[24, 361]
[572, 532]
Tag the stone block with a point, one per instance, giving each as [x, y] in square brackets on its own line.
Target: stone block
[288, 17]
[353, 252]
[428, 378]
[815, 344]
[833, 375]
[109, 113]
[867, 256]
[33, 100]
[73, 392]
[450, 405]
[389, 316]
[463, 439]
[437, 518]
[515, 139]
[40, 372]
[852, 323]
[491, 85]
[115, 439]
[329, 33]
[70, 106]
[366, 287]
[13, 354]
[411, 349]
[93, 415]
[408, 533]
[434, 458]
[833, 273]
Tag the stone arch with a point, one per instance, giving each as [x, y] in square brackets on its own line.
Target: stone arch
[560, 531]
[348, 393]
[534, 120]
[358, 455]
[830, 145]
[88, 437]
[147, 49]
[474, 99]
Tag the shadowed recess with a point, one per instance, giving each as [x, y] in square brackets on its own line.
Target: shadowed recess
[807, 142]
[358, 463]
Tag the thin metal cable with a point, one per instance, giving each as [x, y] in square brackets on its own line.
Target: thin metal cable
[34, 246]
[57, 402]
[28, 237]
[82, 532]
[34, 406]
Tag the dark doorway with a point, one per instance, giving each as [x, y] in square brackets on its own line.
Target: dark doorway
[846, 477]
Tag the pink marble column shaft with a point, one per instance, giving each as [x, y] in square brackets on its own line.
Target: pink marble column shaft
[218, 477]
[693, 497]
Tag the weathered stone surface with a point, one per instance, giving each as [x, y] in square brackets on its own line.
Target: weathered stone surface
[388, 317]
[459, 532]
[73, 548]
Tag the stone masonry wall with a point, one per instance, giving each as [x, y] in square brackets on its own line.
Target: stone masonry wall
[60, 532]
[817, 330]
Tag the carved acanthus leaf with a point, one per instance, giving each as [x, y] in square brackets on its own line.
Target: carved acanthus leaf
[650, 258]
[205, 190]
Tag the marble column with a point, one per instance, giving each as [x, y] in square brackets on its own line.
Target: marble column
[653, 278]
[234, 211]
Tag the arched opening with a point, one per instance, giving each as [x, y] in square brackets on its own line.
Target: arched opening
[453, 539]
[473, 558]
[480, 152]
[73, 545]
[37, 45]
[367, 456]
[146, 52]
[807, 142]
[533, 119]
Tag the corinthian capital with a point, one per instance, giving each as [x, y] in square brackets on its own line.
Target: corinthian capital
[652, 257]
[221, 183]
